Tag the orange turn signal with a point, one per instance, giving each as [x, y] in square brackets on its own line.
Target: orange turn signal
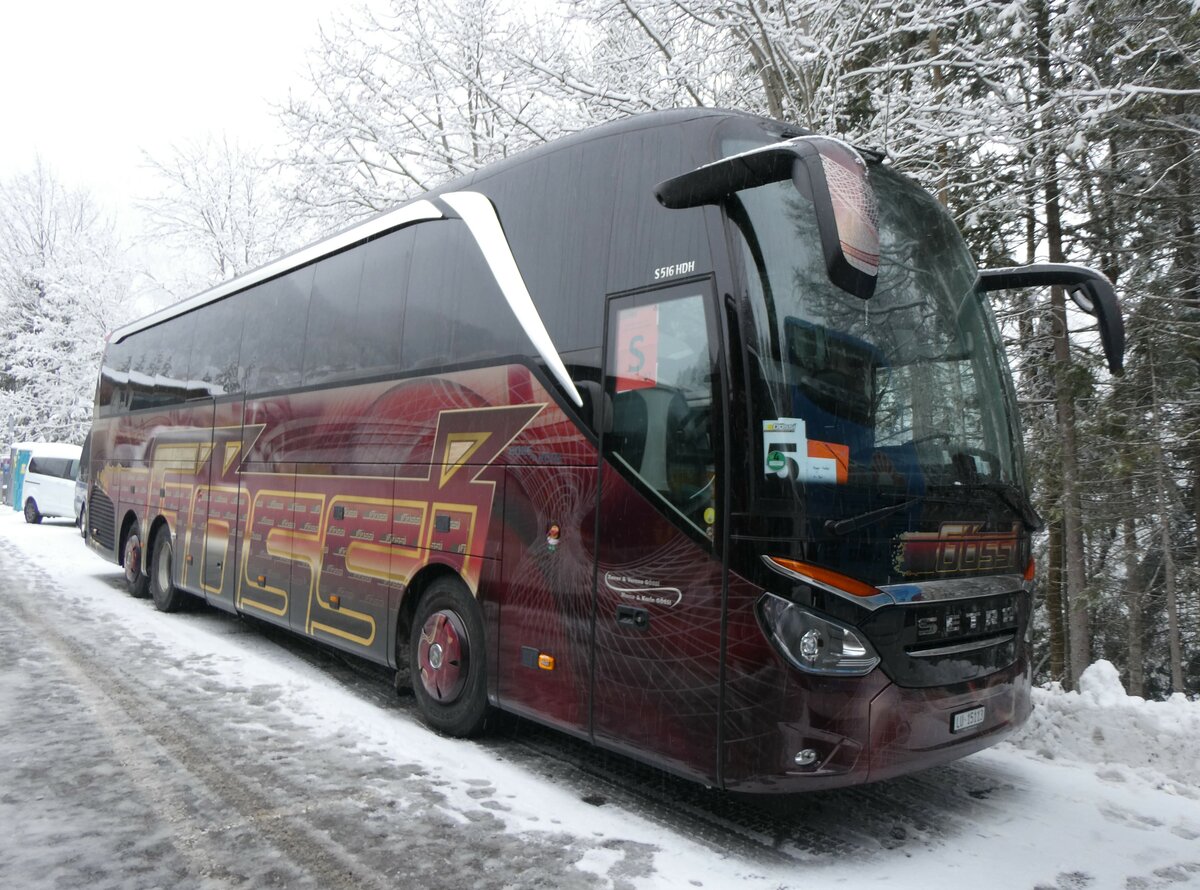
[808, 572]
[1030, 570]
[546, 662]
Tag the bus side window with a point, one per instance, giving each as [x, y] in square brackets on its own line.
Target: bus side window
[114, 377]
[213, 369]
[277, 313]
[171, 368]
[329, 347]
[143, 367]
[379, 322]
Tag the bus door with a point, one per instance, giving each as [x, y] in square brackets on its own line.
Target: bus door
[656, 681]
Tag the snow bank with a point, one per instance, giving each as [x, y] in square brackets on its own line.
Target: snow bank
[1101, 725]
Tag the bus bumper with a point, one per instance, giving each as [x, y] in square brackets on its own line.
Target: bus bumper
[912, 729]
[878, 730]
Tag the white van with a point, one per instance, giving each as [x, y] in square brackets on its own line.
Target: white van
[48, 487]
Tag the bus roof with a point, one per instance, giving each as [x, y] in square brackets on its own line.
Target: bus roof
[418, 209]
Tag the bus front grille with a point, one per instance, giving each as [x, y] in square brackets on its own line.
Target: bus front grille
[941, 643]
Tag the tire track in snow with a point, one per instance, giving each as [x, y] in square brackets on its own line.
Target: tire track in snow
[295, 816]
[118, 703]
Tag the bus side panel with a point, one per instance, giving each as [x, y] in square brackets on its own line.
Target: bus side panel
[266, 558]
[319, 517]
[341, 533]
[545, 595]
[651, 244]
[221, 511]
[179, 461]
[140, 487]
[349, 492]
[558, 215]
[194, 481]
[656, 681]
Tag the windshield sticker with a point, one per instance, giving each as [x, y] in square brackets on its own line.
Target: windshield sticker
[637, 348]
[956, 548]
[787, 451]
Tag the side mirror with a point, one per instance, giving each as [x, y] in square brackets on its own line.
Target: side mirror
[829, 173]
[1091, 292]
[834, 177]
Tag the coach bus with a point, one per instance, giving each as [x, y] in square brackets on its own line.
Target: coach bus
[690, 435]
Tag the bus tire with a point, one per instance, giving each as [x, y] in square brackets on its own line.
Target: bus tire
[167, 597]
[32, 515]
[136, 580]
[448, 660]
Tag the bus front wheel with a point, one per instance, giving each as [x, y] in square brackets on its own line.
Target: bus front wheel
[136, 580]
[448, 661]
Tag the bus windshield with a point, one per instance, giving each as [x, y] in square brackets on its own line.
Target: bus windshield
[903, 398]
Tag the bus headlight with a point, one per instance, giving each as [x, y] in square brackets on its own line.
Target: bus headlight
[812, 643]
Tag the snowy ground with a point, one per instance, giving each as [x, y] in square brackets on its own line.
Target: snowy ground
[193, 751]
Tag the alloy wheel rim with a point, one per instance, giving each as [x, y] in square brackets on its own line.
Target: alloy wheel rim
[443, 656]
[163, 573]
[133, 558]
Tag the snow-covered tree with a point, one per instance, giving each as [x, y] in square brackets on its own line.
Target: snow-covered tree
[63, 287]
[223, 208]
[409, 97]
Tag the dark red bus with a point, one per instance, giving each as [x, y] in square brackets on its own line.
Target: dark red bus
[690, 435]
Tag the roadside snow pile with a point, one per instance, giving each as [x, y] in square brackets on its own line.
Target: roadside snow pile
[1121, 733]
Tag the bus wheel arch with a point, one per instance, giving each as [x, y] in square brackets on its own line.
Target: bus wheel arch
[447, 655]
[132, 557]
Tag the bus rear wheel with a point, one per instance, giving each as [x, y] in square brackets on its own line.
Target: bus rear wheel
[167, 597]
[32, 515]
[136, 581]
[448, 662]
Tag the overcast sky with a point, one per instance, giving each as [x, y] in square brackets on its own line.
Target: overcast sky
[90, 86]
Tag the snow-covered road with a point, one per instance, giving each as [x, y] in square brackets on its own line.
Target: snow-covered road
[190, 750]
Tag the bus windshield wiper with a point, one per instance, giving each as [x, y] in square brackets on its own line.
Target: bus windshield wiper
[1013, 498]
[862, 520]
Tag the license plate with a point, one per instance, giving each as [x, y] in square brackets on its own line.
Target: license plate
[966, 719]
